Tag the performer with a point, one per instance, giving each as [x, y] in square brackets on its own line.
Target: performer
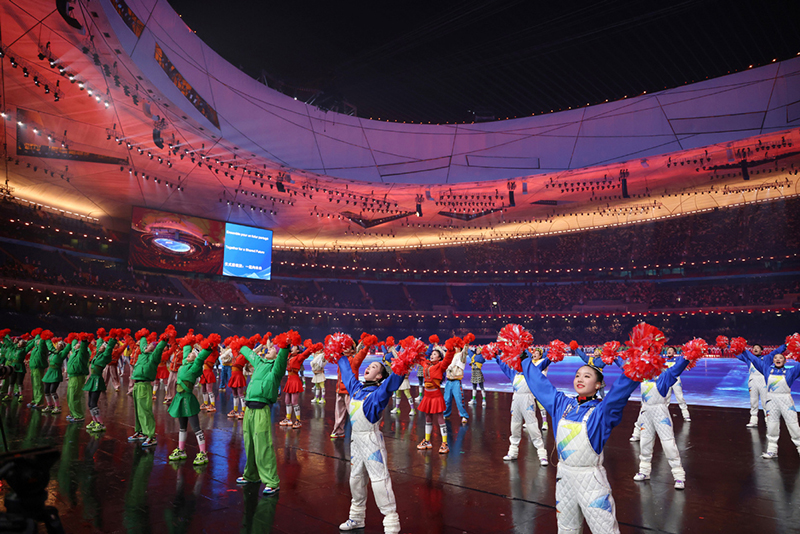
[16, 359]
[77, 369]
[677, 388]
[657, 421]
[432, 404]
[207, 381]
[40, 348]
[173, 366]
[523, 411]
[269, 365]
[756, 384]
[367, 448]
[111, 372]
[237, 382]
[476, 362]
[53, 377]
[162, 372]
[184, 406]
[132, 359]
[342, 397]
[96, 385]
[779, 380]
[294, 384]
[225, 371]
[142, 375]
[593, 360]
[584, 424]
[452, 388]
[538, 357]
[389, 351]
[318, 380]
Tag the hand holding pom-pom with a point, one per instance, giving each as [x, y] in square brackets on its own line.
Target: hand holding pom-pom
[793, 347]
[390, 342]
[189, 339]
[141, 333]
[335, 345]
[694, 350]
[282, 340]
[411, 350]
[469, 338]
[647, 338]
[46, 334]
[152, 338]
[35, 332]
[101, 332]
[434, 339]
[643, 355]
[454, 343]
[307, 343]
[294, 337]
[610, 349]
[738, 345]
[490, 351]
[211, 341]
[722, 342]
[556, 350]
[573, 345]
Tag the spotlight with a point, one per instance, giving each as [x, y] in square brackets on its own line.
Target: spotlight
[25, 72]
[46, 89]
[36, 81]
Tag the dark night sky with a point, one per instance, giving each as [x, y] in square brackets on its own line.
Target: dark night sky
[440, 61]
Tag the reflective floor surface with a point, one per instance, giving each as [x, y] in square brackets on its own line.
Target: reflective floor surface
[105, 484]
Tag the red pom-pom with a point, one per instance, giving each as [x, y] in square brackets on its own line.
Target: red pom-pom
[642, 365]
[4, 332]
[229, 340]
[411, 351]
[198, 338]
[573, 345]
[72, 336]
[256, 339]
[101, 332]
[189, 339]
[490, 351]
[610, 349]
[454, 343]
[307, 343]
[469, 338]
[294, 337]
[434, 339]
[46, 334]
[141, 333]
[281, 341]
[390, 341]
[127, 331]
[35, 332]
[647, 338]
[211, 341]
[85, 337]
[695, 349]
[792, 351]
[556, 350]
[267, 336]
[722, 342]
[738, 345]
[368, 340]
[335, 345]
[515, 336]
[153, 337]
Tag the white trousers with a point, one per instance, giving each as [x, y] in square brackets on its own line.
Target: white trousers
[781, 405]
[657, 421]
[368, 464]
[523, 410]
[585, 493]
[677, 389]
[758, 391]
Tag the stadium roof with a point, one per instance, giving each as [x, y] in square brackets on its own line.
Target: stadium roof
[172, 125]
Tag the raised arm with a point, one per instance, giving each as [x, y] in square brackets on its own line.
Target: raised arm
[377, 401]
[553, 400]
[582, 355]
[348, 377]
[279, 368]
[508, 371]
[608, 413]
[668, 378]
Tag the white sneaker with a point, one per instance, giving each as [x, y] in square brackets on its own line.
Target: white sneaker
[638, 477]
[769, 455]
[483, 403]
[635, 438]
[412, 412]
[687, 419]
[396, 410]
[472, 401]
[679, 484]
[544, 426]
[509, 458]
[543, 462]
[351, 524]
[752, 424]
[463, 420]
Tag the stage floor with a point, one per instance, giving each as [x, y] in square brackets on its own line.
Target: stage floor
[105, 484]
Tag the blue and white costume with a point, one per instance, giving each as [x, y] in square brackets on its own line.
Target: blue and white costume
[582, 488]
[779, 401]
[758, 387]
[523, 409]
[367, 449]
[657, 421]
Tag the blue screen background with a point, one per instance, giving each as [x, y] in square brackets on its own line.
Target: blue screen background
[248, 252]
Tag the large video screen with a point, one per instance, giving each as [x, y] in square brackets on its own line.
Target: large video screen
[171, 241]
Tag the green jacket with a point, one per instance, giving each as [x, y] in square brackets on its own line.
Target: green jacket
[53, 373]
[189, 372]
[78, 363]
[101, 360]
[267, 376]
[147, 365]
[40, 351]
[16, 359]
[5, 349]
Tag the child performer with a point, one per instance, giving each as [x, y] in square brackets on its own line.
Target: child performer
[318, 380]
[225, 372]
[656, 421]
[294, 384]
[53, 377]
[756, 384]
[476, 362]
[367, 448]
[592, 361]
[523, 410]
[677, 388]
[95, 385]
[583, 425]
[162, 372]
[142, 375]
[780, 403]
[185, 406]
[16, 359]
[173, 367]
[40, 348]
[111, 372]
[262, 392]
[237, 382]
[405, 387]
[77, 369]
[432, 404]
[207, 381]
[452, 388]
